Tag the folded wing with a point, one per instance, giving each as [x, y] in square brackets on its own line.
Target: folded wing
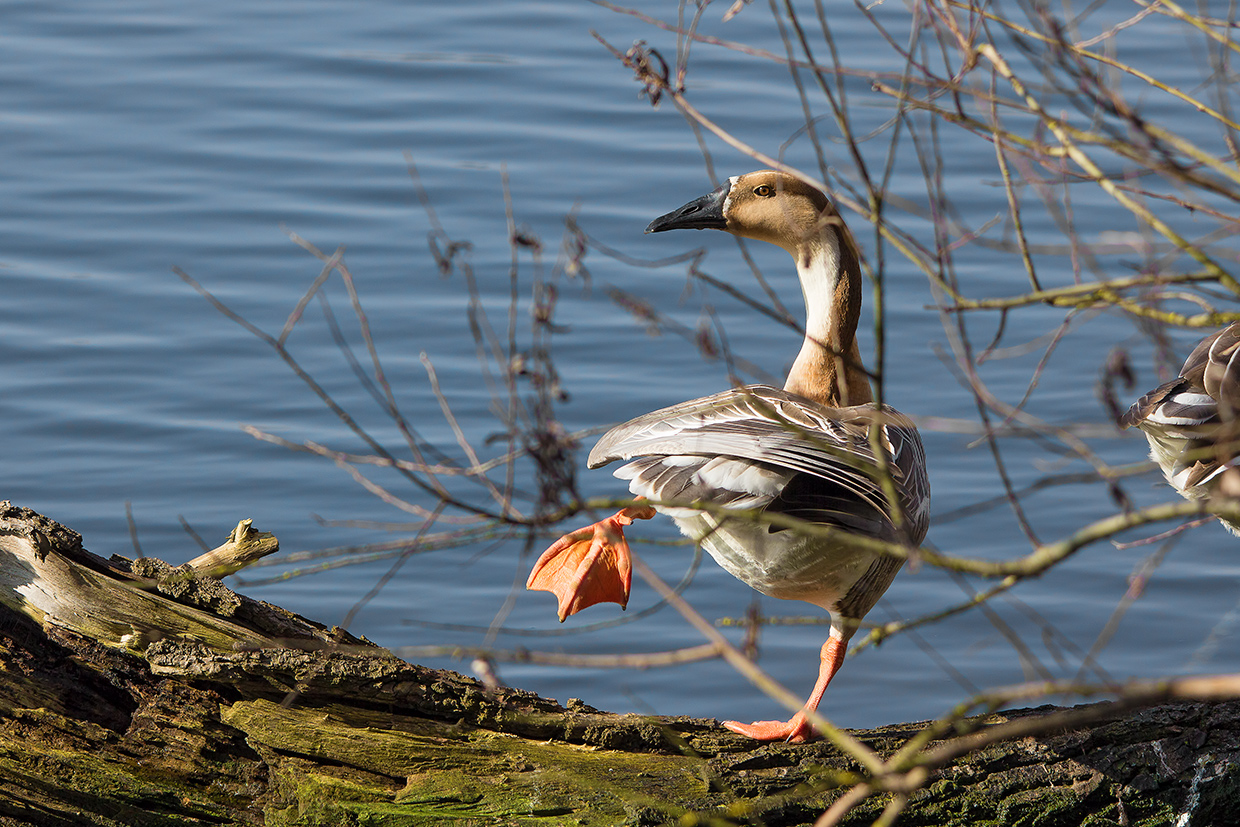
[759, 447]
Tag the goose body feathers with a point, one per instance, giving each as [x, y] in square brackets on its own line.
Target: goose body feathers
[1191, 422]
[762, 449]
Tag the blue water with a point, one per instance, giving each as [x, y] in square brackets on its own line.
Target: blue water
[138, 138]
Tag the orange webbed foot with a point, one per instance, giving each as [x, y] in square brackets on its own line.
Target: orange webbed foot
[796, 730]
[590, 565]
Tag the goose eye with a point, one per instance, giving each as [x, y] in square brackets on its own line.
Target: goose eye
[763, 191]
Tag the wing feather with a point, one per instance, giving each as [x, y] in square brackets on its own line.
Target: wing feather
[1206, 391]
[763, 447]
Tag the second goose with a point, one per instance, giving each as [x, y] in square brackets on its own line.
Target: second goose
[1193, 422]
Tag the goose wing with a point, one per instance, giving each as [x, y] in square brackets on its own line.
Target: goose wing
[1209, 383]
[761, 447]
[1191, 422]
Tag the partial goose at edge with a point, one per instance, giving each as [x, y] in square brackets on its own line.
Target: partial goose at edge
[1191, 422]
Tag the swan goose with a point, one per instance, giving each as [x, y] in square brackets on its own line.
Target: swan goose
[1192, 421]
[803, 451]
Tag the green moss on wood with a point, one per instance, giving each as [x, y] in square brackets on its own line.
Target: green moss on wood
[478, 774]
[84, 780]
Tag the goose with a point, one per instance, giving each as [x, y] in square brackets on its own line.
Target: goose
[1191, 422]
[804, 451]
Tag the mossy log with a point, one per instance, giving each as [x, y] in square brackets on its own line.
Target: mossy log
[136, 694]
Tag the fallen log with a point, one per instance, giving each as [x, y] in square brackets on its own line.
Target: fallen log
[134, 693]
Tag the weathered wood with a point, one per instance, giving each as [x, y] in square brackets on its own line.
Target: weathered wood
[123, 704]
[244, 545]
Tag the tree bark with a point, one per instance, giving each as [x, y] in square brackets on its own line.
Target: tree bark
[132, 693]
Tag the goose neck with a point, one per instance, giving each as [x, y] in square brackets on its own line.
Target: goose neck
[828, 368]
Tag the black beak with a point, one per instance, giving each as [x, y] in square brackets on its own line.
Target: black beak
[705, 213]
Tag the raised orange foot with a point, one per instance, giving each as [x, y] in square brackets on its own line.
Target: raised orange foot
[590, 565]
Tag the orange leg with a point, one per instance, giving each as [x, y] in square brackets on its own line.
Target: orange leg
[590, 565]
[797, 729]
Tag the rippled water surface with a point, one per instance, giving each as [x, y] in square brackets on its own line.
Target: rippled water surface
[139, 137]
